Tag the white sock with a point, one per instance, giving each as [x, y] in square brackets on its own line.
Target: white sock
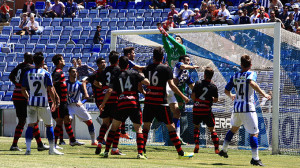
[114, 149]
[93, 137]
[28, 144]
[51, 145]
[225, 146]
[255, 153]
[178, 132]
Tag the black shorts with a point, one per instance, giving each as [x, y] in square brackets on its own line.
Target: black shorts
[135, 115]
[109, 111]
[61, 111]
[21, 108]
[161, 113]
[208, 119]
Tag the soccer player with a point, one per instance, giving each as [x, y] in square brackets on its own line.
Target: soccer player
[126, 86]
[75, 105]
[38, 81]
[155, 99]
[204, 94]
[130, 53]
[107, 114]
[244, 83]
[20, 103]
[61, 114]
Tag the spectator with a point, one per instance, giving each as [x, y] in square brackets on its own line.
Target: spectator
[212, 14]
[274, 19]
[32, 27]
[4, 12]
[262, 10]
[185, 14]
[169, 24]
[22, 25]
[283, 15]
[29, 7]
[247, 4]
[274, 3]
[296, 13]
[265, 4]
[173, 13]
[296, 26]
[74, 62]
[71, 9]
[58, 9]
[48, 9]
[245, 19]
[276, 10]
[197, 17]
[100, 4]
[217, 3]
[83, 70]
[298, 30]
[203, 10]
[97, 39]
[236, 20]
[290, 22]
[223, 15]
[161, 4]
[261, 18]
[80, 4]
[254, 15]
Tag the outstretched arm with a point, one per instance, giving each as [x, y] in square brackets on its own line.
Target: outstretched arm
[258, 89]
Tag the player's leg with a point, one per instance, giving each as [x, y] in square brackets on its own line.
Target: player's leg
[84, 116]
[32, 116]
[114, 127]
[196, 121]
[136, 118]
[61, 137]
[119, 116]
[56, 115]
[37, 136]
[21, 111]
[210, 122]
[103, 129]
[148, 117]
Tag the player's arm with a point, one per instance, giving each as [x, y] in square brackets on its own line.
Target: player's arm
[85, 92]
[91, 68]
[56, 96]
[25, 85]
[12, 76]
[138, 67]
[180, 48]
[185, 66]
[25, 93]
[106, 97]
[52, 96]
[177, 91]
[255, 86]
[228, 88]
[193, 96]
[191, 86]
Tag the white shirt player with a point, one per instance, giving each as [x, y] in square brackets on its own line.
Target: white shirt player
[37, 81]
[74, 91]
[244, 101]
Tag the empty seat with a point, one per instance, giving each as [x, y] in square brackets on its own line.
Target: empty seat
[56, 22]
[54, 39]
[10, 57]
[91, 5]
[46, 22]
[4, 38]
[7, 30]
[64, 39]
[78, 48]
[69, 48]
[48, 30]
[29, 47]
[121, 15]
[77, 31]
[67, 30]
[75, 38]
[86, 22]
[94, 13]
[57, 30]
[97, 48]
[15, 39]
[82, 39]
[129, 23]
[15, 21]
[87, 48]
[40, 48]
[96, 22]
[76, 22]
[34, 38]
[112, 23]
[86, 31]
[50, 48]
[44, 39]
[39, 5]
[19, 48]
[83, 13]
[66, 22]
[60, 48]
[24, 39]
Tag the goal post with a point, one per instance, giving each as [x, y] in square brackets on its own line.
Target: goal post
[276, 28]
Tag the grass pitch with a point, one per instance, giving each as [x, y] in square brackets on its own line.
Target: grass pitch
[158, 156]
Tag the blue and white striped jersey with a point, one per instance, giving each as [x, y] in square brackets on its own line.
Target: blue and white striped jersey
[259, 20]
[183, 76]
[37, 81]
[244, 100]
[296, 16]
[74, 91]
[265, 3]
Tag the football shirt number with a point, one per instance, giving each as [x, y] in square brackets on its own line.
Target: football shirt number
[127, 86]
[38, 85]
[241, 90]
[205, 90]
[108, 75]
[18, 76]
[153, 78]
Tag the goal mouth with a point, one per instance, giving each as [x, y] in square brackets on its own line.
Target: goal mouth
[221, 47]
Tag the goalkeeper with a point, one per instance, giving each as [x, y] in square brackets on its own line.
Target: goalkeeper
[173, 55]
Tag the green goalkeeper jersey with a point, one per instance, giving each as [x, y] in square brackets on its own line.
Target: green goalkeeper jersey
[173, 53]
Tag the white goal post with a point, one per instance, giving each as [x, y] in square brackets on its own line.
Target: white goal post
[276, 60]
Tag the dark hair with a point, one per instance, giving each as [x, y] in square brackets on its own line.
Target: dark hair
[182, 58]
[56, 59]
[245, 61]
[78, 59]
[113, 57]
[71, 68]
[99, 26]
[158, 54]
[209, 73]
[123, 62]
[180, 38]
[28, 57]
[38, 58]
[99, 60]
[128, 50]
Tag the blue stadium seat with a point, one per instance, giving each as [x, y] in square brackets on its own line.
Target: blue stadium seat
[156, 14]
[19, 48]
[90, 40]
[44, 39]
[67, 30]
[18, 12]
[16, 29]
[94, 13]
[96, 22]
[147, 14]
[10, 57]
[50, 48]
[54, 39]
[48, 59]
[130, 27]
[86, 31]
[57, 30]
[104, 23]
[39, 5]
[138, 23]
[138, 27]
[106, 19]
[103, 15]
[15, 21]
[4, 38]
[86, 22]
[97, 48]
[78, 48]
[76, 22]
[60, 48]
[111, 15]
[66, 22]
[122, 19]
[131, 19]
[129, 23]
[46, 22]
[121, 5]
[29, 47]
[87, 48]
[75, 38]
[15, 39]
[82, 39]
[40, 48]
[69, 48]
[121, 15]
[122, 28]
[34, 38]
[39, 20]
[3, 66]
[164, 14]
[8, 95]
[130, 14]
[147, 23]
[64, 39]
[7, 30]
[48, 30]
[77, 55]
[91, 5]
[83, 13]
[112, 4]
[77, 31]
[56, 22]
[121, 23]
[112, 23]
[24, 39]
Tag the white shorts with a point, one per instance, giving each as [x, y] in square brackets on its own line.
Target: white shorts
[249, 120]
[170, 95]
[80, 112]
[35, 113]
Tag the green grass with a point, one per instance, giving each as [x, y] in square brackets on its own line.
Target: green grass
[158, 156]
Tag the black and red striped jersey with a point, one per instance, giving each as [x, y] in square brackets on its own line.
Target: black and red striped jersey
[158, 75]
[60, 85]
[204, 91]
[96, 91]
[16, 76]
[126, 86]
[105, 77]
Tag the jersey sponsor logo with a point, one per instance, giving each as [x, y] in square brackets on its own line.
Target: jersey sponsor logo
[125, 97]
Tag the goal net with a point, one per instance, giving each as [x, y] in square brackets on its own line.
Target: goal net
[221, 47]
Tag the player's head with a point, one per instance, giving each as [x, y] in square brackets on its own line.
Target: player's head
[185, 59]
[28, 58]
[113, 57]
[129, 52]
[245, 61]
[58, 60]
[123, 62]
[101, 63]
[158, 54]
[38, 59]
[45, 67]
[208, 73]
[72, 72]
[99, 27]
[179, 39]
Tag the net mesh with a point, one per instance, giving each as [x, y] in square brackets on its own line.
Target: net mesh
[222, 50]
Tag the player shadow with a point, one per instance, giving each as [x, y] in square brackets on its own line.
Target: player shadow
[221, 164]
